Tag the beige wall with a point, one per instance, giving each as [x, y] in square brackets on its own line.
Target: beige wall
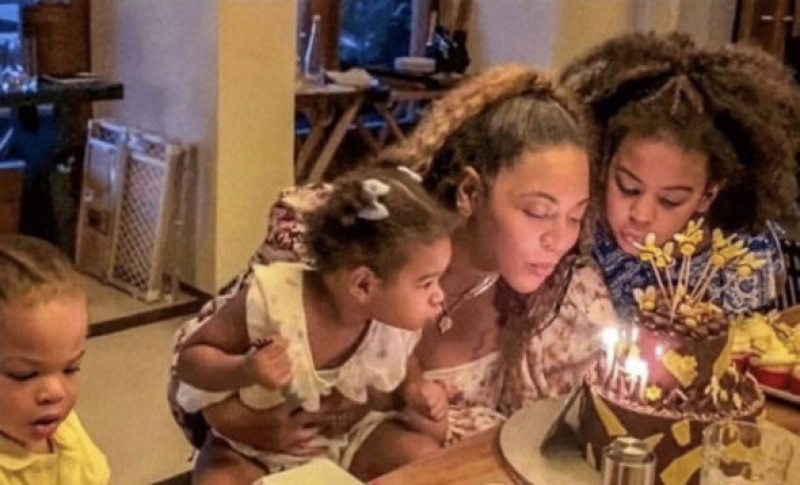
[256, 123]
[549, 33]
[586, 23]
[216, 74]
[542, 33]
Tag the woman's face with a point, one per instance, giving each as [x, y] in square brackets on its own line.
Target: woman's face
[654, 185]
[533, 213]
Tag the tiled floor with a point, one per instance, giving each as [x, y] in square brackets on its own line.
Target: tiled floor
[123, 404]
[107, 302]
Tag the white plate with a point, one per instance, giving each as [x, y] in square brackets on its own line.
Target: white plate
[520, 439]
[781, 394]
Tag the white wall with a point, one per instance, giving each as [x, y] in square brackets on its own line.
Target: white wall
[512, 30]
[171, 56]
[165, 54]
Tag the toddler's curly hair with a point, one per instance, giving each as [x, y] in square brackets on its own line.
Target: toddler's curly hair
[33, 271]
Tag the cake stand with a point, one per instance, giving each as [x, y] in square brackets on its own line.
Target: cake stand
[560, 460]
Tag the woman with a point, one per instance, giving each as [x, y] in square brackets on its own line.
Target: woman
[508, 152]
[687, 133]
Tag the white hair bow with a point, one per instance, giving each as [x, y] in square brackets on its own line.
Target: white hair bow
[376, 210]
[414, 175]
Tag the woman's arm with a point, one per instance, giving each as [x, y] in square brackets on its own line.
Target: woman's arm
[214, 358]
[281, 429]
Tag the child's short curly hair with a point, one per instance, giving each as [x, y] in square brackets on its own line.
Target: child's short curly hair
[340, 236]
[737, 104]
[33, 271]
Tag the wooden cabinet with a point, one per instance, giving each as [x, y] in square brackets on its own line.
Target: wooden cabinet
[771, 24]
[61, 31]
[11, 173]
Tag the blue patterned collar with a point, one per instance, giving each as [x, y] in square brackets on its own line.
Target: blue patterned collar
[623, 272]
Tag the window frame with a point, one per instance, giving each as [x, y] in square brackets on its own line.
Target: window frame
[330, 13]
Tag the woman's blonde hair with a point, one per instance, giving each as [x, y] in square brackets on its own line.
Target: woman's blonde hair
[33, 271]
[487, 123]
[477, 95]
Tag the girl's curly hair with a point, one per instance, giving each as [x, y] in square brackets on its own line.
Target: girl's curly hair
[338, 237]
[738, 104]
[487, 123]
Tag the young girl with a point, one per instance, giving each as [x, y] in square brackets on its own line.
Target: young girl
[690, 132]
[43, 324]
[347, 327]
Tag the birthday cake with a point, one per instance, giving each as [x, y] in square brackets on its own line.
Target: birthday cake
[670, 374]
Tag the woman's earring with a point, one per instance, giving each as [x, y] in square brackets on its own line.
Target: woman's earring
[445, 323]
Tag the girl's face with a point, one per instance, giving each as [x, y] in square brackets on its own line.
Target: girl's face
[654, 185]
[533, 214]
[40, 354]
[412, 298]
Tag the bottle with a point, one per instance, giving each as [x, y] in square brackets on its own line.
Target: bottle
[313, 70]
[628, 461]
[299, 76]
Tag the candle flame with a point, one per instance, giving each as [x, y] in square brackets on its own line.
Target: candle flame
[610, 337]
[636, 367]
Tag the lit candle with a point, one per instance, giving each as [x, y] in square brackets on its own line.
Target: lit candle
[610, 337]
[636, 369]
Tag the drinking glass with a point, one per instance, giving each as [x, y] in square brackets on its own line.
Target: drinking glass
[742, 453]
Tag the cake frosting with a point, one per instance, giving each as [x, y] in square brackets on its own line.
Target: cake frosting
[669, 374]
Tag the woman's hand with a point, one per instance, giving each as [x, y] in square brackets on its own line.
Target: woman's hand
[282, 429]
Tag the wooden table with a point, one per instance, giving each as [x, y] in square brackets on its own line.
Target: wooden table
[478, 461]
[332, 109]
[324, 106]
[11, 173]
[52, 184]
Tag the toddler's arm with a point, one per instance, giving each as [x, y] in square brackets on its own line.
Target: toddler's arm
[426, 397]
[218, 357]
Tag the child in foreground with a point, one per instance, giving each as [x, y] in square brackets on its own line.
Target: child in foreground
[43, 324]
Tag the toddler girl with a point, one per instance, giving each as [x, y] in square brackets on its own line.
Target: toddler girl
[345, 327]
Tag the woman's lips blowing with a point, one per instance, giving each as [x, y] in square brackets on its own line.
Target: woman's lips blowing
[542, 270]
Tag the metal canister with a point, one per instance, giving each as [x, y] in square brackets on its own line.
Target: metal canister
[628, 461]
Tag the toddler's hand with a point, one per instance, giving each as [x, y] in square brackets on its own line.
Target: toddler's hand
[428, 398]
[269, 365]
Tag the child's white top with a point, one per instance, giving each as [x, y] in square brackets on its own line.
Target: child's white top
[275, 306]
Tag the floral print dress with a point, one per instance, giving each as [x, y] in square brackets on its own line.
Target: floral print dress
[275, 307]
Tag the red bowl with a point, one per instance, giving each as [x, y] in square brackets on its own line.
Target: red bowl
[794, 385]
[772, 376]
